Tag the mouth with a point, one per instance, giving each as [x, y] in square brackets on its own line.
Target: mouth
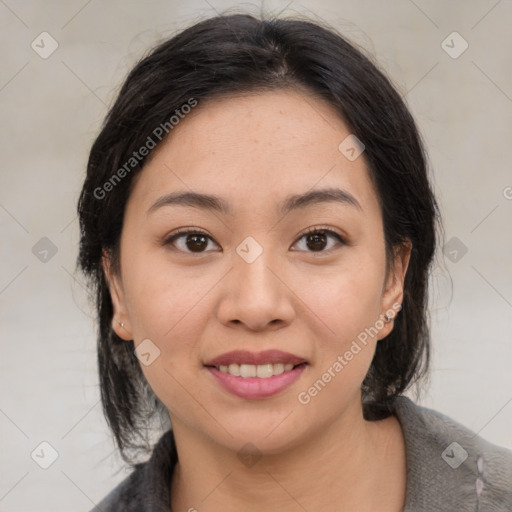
[256, 375]
[261, 371]
[242, 363]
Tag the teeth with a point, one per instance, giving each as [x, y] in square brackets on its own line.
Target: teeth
[262, 371]
[234, 369]
[248, 370]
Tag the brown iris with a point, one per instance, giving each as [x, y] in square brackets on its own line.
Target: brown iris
[318, 240]
[199, 242]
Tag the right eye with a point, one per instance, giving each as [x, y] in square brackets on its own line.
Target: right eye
[189, 240]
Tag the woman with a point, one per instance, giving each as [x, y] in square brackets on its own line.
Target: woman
[258, 223]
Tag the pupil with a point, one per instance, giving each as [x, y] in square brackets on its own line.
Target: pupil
[200, 242]
[318, 238]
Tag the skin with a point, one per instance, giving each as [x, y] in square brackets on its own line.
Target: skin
[254, 150]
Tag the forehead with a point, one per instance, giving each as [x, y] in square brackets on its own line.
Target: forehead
[254, 149]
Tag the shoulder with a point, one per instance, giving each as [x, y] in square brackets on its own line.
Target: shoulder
[147, 487]
[449, 467]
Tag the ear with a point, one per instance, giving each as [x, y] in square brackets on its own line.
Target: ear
[120, 318]
[393, 291]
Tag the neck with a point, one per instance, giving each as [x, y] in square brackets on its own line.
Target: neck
[351, 464]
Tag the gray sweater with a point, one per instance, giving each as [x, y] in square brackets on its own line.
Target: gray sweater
[449, 469]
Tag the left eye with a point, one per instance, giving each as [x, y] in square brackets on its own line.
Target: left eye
[318, 239]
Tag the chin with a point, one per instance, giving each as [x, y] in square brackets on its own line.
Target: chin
[268, 432]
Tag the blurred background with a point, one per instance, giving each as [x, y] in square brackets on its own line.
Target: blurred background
[63, 63]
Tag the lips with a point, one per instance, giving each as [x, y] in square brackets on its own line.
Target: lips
[256, 375]
[244, 357]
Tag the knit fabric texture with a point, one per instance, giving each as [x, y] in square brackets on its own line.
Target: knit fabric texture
[449, 469]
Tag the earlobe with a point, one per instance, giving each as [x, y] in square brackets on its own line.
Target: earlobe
[117, 325]
[120, 318]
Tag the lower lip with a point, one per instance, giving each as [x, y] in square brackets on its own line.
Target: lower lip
[254, 387]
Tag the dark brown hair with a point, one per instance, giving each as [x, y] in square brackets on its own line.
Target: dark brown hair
[230, 54]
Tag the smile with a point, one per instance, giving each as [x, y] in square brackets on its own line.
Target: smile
[261, 371]
[256, 375]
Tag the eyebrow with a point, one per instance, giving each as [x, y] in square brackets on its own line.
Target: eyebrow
[290, 203]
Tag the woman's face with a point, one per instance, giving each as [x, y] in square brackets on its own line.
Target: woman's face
[249, 291]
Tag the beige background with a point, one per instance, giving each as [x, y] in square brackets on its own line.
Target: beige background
[52, 108]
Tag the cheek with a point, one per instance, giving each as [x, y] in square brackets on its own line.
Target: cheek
[349, 305]
[348, 300]
[160, 298]
[170, 311]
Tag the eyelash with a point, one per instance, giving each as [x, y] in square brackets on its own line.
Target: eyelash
[182, 232]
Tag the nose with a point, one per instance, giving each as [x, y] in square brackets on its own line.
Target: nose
[256, 295]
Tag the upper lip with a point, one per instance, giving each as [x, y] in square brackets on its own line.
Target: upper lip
[256, 358]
